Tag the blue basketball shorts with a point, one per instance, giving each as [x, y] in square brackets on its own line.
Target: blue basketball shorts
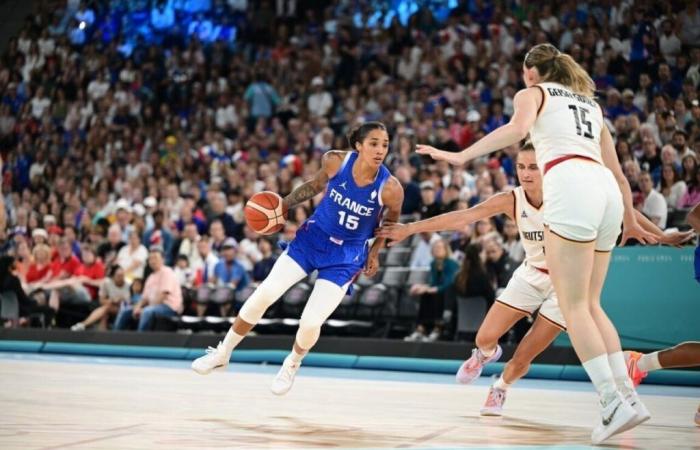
[336, 261]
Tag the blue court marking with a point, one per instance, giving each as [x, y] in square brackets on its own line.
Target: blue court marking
[351, 374]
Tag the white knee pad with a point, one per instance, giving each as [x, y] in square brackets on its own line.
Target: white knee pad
[324, 299]
[284, 274]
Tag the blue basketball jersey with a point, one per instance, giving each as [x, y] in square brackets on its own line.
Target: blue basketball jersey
[349, 212]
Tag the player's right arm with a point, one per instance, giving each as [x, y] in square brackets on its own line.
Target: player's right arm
[330, 164]
[632, 228]
[503, 203]
[672, 238]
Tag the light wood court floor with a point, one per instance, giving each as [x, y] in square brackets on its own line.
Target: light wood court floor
[92, 403]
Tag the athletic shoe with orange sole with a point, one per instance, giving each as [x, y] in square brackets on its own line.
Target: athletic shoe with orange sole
[637, 375]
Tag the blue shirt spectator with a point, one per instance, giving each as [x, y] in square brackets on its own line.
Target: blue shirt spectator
[228, 271]
[262, 99]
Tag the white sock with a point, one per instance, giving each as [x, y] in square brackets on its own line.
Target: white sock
[501, 384]
[598, 370]
[231, 340]
[649, 362]
[296, 357]
[489, 353]
[619, 370]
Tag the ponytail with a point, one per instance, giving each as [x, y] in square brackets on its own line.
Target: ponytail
[557, 67]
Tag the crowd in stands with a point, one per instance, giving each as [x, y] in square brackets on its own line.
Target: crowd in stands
[132, 134]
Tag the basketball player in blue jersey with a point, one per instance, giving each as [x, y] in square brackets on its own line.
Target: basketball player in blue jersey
[359, 190]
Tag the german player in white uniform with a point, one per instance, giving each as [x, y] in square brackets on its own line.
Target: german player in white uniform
[586, 198]
[530, 289]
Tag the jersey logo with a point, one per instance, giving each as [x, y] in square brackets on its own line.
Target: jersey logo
[343, 185]
[523, 215]
[372, 196]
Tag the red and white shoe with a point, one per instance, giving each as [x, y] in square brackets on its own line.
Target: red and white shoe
[494, 403]
[637, 375]
[471, 368]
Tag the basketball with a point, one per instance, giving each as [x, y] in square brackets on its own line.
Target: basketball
[265, 213]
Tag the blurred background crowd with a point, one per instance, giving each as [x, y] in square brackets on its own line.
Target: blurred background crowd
[133, 132]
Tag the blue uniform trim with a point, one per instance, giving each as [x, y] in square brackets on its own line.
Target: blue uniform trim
[697, 263]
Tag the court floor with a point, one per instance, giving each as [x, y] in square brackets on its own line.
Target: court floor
[57, 402]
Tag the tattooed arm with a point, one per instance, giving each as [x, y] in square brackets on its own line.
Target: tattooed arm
[330, 163]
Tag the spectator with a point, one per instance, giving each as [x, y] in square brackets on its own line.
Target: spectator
[689, 165]
[10, 283]
[654, 206]
[320, 101]
[650, 159]
[262, 99]
[188, 245]
[132, 258]
[109, 250]
[229, 278]
[248, 252]
[671, 186]
[206, 261]
[411, 190]
[432, 296]
[421, 257]
[429, 205]
[161, 296]
[218, 213]
[263, 267]
[74, 283]
[114, 293]
[499, 266]
[512, 243]
[691, 196]
[218, 235]
[185, 276]
[472, 280]
[159, 235]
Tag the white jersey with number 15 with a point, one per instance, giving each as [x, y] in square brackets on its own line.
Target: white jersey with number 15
[567, 124]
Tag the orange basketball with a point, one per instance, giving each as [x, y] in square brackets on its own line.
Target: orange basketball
[265, 213]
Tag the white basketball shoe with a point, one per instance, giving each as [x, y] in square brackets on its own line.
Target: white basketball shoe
[285, 377]
[215, 359]
[616, 415]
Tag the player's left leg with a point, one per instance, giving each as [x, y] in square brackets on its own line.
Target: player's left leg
[612, 340]
[324, 299]
[539, 337]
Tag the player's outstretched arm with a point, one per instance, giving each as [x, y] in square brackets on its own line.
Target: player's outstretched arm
[392, 199]
[503, 203]
[330, 163]
[525, 104]
[672, 238]
[632, 228]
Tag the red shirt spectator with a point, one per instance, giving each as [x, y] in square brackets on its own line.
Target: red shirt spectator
[92, 269]
[66, 263]
[40, 267]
